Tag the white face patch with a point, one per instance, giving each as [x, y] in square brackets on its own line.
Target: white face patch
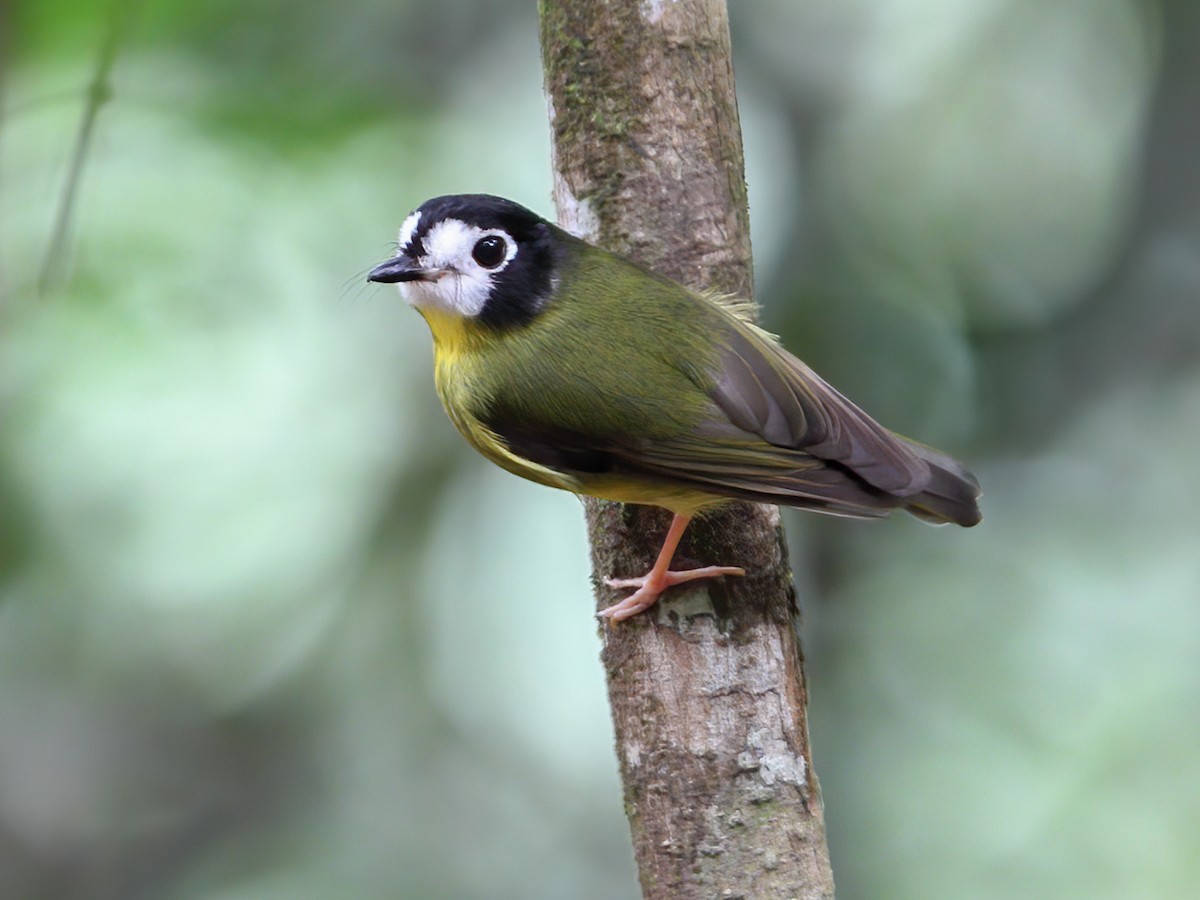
[464, 285]
[408, 229]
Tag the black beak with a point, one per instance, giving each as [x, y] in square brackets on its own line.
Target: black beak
[400, 269]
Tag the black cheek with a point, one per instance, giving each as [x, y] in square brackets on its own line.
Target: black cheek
[521, 289]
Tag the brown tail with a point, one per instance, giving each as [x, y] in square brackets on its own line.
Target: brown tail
[952, 495]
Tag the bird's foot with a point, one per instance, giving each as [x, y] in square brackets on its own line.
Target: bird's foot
[650, 586]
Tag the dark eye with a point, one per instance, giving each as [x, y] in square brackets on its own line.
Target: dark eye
[489, 251]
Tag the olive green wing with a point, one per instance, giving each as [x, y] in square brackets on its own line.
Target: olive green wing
[765, 391]
[768, 429]
[816, 448]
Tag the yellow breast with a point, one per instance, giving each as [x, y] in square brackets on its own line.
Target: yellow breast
[460, 367]
[463, 375]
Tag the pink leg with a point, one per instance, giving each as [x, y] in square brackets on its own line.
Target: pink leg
[660, 577]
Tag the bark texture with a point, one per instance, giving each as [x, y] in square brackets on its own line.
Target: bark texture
[707, 689]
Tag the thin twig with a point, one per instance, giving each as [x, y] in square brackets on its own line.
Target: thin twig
[5, 32]
[98, 93]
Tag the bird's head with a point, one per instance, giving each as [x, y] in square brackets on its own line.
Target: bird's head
[475, 256]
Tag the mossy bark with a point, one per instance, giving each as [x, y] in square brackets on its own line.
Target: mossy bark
[707, 689]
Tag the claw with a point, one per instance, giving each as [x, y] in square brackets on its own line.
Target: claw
[651, 585]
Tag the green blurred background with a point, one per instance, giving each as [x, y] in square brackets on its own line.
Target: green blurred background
[269, 629]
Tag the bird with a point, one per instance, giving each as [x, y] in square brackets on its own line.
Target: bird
[582, 370]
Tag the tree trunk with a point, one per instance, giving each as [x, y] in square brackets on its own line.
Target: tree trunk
[707, 688]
